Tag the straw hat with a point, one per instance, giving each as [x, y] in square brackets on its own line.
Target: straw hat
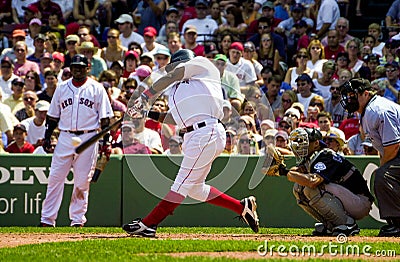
[87, 46]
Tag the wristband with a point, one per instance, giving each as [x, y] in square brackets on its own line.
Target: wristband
[148, 93]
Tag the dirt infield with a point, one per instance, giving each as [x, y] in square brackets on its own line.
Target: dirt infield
[18, 239]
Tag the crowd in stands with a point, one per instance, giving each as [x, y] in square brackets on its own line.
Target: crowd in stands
[281, 65]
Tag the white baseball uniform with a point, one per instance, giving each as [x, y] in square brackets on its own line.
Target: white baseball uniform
[197, 101]
[79, 109]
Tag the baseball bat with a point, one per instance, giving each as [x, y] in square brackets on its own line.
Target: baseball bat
[96, 137]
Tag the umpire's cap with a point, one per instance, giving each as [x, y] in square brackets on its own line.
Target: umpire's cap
[79, 59]
[182, 55]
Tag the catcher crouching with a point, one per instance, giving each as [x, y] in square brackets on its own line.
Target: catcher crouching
[327, 186]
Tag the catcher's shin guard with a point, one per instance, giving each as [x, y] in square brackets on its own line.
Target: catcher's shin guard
[303, 202]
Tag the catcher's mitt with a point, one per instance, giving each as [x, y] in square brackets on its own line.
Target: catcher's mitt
[277, 165]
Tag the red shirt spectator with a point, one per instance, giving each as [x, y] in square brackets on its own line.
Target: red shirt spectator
[20, 145]
[350, 126]
[46, 8]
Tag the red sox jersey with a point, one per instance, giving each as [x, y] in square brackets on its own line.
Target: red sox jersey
[80, 108]
[199, 95]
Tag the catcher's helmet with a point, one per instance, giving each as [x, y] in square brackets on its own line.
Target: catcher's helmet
[79, 60]
[182, 55]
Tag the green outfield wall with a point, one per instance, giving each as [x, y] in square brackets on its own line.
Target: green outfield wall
[132, 185]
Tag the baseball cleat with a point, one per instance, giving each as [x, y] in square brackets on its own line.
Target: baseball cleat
[45, 225]
[138, 228]
[321, 230]
[348, 230]
[389, 231]
[249, 214]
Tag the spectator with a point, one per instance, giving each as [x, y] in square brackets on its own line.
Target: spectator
[305, 87]
[85, 36]
[151, 13]
[350, 125]
[46, 63]
[20, 145]
[243, 69]
[265, 26]
[231, 143]
[392, 75]
[128, 89]
[286, 124]
[247, 143]
[4, 39]
[342, 62]
[22, 65]
[206, 27]
[328, 15]
[129, 144]
[274, 85]
[56, 28]
[32, 82]
[210, 50]
[58, 64]
[190, 36]
[333, 48]
[224, 43]
[174, 146]
[355, 141]
[7, 76]
[38, 44]
[171, 25]
[369, 150]
[72, 42]
[215, 12]
[250, 54]
[98, 65]
[118, 68]
[114, 50]
[281, 143]
[268, 15]
[111, 78]
[174, 42]
[393, 14]
[379, 85]
[35, 27]
[162, 57]
[35, 126]
[268, 139]
[268, 54]
[141, 75]
[302, 40]
[187, 12]
[84, 12]
[254, 94]
[325, 123]
[342, 27]
[235, 24]
[128, 35]
[66, 74]
[335, 142]
[375, 30]
[333, 106]
[46, 8]
[51, 85]
[266, 125]
[148, 137]
[147, 59]
[131, 61]
[300, 69]
[316, 53]
[353, 48]
[30, 98]
[229, 81]
[150, 44]
[115, 104]
[288, 97]
[323, 84]
[15, 101]
[228, 120]
[17, 35]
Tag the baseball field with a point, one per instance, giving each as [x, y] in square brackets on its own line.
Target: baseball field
[190, 244]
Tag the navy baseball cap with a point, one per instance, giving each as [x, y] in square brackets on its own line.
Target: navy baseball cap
[392, 63]
[79, 60]
[297, 7]
[301, 23]
[304, 77]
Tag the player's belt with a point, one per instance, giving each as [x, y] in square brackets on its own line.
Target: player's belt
[81, 132]
[201, 124]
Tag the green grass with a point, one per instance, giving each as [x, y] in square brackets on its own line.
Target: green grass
[123, 248]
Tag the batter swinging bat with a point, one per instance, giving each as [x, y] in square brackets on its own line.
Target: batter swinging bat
[96, 137]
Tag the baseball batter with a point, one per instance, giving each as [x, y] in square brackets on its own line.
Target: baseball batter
[79, 107]
[195, 102]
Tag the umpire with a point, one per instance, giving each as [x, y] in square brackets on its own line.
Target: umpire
[380, 120]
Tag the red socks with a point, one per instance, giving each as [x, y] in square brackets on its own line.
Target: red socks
[165, 208]
[218, 198]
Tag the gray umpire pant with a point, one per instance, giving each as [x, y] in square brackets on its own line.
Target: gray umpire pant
[387, 189]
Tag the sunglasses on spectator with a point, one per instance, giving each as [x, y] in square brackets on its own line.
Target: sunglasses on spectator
[284, 126]
[83, 34]
[242, 141]
[111, 36]
[391, 70]
[28, 99]
[19, 84]
[342, 59]
[335, 88]
[286, 101]
[30, 77]
[290, 115]
[353, 47]
[4, 66]
[316, 104]
[315, 48]
[342, 26]
[329, 140]
[71, 43]
[302, 84]
[302, 56]
[323, 122]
